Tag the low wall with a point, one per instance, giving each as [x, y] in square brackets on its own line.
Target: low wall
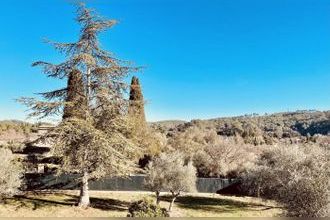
[132, 183]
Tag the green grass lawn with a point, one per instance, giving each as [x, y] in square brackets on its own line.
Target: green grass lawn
[115, 204]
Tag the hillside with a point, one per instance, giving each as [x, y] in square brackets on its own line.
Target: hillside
[15, 131]
[254, 129]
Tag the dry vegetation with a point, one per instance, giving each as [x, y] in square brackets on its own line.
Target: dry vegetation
[283, 156]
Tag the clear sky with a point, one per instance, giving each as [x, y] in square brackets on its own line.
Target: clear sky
[203, 58]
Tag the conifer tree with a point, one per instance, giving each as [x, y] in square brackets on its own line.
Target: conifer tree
[96, 144]
[142, 135]
[136, 106]
[76, 103]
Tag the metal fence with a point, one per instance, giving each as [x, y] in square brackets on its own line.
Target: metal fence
[132, 183]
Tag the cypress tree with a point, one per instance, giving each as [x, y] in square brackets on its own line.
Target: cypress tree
[136, 107]
[76, 103]
[142, 135]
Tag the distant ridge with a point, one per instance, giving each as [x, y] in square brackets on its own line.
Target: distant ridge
[257, 129]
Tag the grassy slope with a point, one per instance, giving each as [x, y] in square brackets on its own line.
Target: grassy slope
[115, 204]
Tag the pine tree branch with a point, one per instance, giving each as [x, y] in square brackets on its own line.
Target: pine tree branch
[41, 109]
[56, 94]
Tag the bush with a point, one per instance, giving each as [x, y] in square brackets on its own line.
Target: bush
[146, 208]
[10, 174]
[295, 176]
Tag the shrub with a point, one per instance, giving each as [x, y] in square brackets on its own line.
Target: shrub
[146, 208]
[10, 174]
[295, 176]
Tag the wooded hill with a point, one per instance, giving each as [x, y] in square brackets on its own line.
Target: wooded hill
[254, 129]
[288, 127]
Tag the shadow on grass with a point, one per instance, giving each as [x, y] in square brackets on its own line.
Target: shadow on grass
[103, 203]
[36, 201]
[217, 205]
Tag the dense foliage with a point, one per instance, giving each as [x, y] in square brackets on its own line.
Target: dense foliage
[76, 101]
[152, 142]
[145, 209]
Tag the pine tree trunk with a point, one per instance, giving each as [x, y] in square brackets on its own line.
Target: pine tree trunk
[84, 193]
[88, 91]
[88, 76]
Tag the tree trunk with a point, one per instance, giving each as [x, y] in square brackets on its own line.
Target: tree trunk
[157, 197]
[88, 90]
[258, 190]
[84, 194]
[172, 203]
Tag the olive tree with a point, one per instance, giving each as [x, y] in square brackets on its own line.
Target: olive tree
[295, 176]
[169, 172]
[224, 157]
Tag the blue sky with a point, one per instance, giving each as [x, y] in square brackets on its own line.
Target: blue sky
[203, 58]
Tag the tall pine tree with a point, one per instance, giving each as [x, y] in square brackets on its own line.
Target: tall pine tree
[95, 144]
